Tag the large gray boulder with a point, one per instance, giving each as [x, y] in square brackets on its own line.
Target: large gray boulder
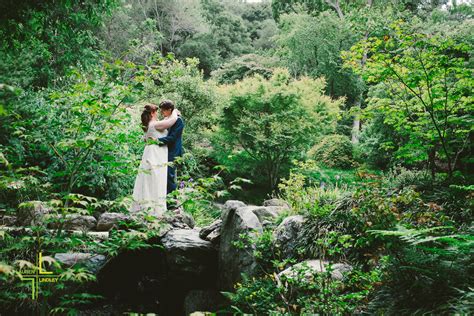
[32, 213]
[263, 212]
[188, 254]
[232, 260]
[92, 261]
[231, 205]
[109, 220]
[286, 235]
[304, 271]
[277, 209]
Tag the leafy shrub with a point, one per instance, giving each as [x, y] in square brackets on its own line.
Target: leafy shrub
[427, 270]
[244, 66]
[400, 177]
[307, 198]
[71, 293]
[377, 143]
[23, 184]
[369, 207]
[451, 196]
[307, 292]
[197, 197]
[258, 129]
[333, 151]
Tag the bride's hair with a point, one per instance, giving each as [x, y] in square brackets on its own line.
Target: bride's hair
[146, 115]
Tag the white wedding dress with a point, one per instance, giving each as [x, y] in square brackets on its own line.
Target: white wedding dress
[149, 192]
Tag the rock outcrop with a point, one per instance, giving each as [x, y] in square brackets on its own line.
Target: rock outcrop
[188, 255]
[232, 260]
[108, 220]
[212, 232]
[286, 235]
[305, 269]
[32, 213]
[185, 267]
[73, 222]
[92, 261]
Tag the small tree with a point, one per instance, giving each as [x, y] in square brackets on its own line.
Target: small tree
[267, 123]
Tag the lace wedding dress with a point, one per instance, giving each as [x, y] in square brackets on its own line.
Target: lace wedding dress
[149, 192]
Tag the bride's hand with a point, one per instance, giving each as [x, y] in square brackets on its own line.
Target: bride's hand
[177, 112]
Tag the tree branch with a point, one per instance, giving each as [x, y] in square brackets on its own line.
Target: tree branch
[337, 7]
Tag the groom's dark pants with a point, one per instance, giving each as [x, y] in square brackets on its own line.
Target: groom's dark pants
[171, 180]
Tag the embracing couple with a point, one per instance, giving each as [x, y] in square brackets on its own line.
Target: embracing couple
[156, 175]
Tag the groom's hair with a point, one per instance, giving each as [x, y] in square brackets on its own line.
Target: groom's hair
[167, 105]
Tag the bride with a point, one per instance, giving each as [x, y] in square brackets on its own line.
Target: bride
[149, 192]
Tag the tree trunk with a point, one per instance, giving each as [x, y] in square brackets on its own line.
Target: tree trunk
[356, 124]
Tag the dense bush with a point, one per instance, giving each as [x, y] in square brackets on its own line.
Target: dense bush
[333, 151]
[377, 144]
[423, 271]
[41, 40]
[244, 66]
[267, 123]
[426, 92]
[428, 272]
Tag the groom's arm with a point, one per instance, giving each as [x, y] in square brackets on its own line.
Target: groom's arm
[174, 133]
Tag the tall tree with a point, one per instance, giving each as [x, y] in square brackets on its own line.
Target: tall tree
[429, 81]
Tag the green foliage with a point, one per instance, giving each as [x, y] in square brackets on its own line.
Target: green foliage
[204, 48]
[303, 195]
[127, 35]
[77, 136]
[182, 82]
[312, 45]
[197, 197]
[39, 42]
[23, 184]
[229, 30]
[450, 196]
[334, 151]
[244, 66]
[428, 270]
[352, 215]
[306, 291]
[70, 137]
[428, 81]
[266, 123]
[400, 178]
[87, 118]
[280, 7]
[378, 142]
[71, 293]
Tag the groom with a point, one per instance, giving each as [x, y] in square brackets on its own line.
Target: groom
[173, 141]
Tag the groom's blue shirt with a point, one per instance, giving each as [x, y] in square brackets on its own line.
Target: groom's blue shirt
[173, 140]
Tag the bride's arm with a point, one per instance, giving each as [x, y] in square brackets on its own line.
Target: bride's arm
[167, 123]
